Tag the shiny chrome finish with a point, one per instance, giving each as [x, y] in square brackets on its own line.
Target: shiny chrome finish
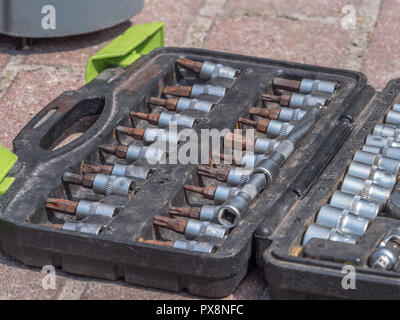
[316, 231]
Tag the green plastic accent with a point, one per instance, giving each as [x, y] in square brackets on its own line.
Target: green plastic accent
[7, 161]
[127, 48]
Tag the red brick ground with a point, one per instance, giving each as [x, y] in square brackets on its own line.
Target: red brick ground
[295, 30]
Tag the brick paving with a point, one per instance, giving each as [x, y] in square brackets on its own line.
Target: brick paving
[295, 30]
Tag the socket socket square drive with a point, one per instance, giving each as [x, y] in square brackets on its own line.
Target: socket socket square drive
[209, 213]
[366, 189]
[211, 70]
[316, 231]
[196, 246]
[86, 208]
[392, 118]
[150, 154]
[278, 129]
[378, 160]
[389, 152]
[181, 120]
[195, 228]
[90, 228]
[309, 85]
[200, 89]
[222, 193]
[355, 204]
[238, 176]
[305, 101]
[108, 185]
[194, 104]
[342, 220]
[265, 145]
[364, 171]
[386, 131]
[287, 114]
[378, 141]
[131, 171]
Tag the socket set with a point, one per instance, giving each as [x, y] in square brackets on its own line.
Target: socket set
[141, 193]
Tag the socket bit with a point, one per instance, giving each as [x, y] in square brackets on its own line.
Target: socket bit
[366, 189]
[102, 184]
[164, 119]
[133, 153]
[387, 131]
[378, 160]
[387, 254]
[355, 204]
[260, 145]
[205, 213]
[272, 128]
[233, 177]
[83, 227]
[389, 152]
[193, 245]
[378, 141]
[379, 177]
[182, 104]
[306, 85]
[132, 171]
[192, 229]
[296, 100]
[219, 193]
[342, 220]
[196, 90]
[281, 114]
[316, 231]
[81, 209]
[209, 70]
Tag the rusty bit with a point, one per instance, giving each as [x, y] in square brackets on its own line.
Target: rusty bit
[89, 168]
[286, 84]
[283, 100]
[177, 225]
[220, 174]
[158, 243]
[185, 212]
[236, 140]
[135, 133]
[169, 104]
[62, 205]
[180, 91]
[120, 151]
[195, 66]
[151, 118]
[78, 179]
[266, 113]
[260, 125]
[208, 192]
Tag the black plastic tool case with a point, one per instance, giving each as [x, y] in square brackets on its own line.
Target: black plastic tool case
[277, 218]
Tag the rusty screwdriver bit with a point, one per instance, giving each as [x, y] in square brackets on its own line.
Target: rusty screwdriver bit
[135, 133]
[195, 66]
[180, 91]
[78, 179]
[260, 125]
[169, 104]
[62, 205]
[286, 84]
[235, 141]
[177, 225]
[220, 174]
[283, 100]
[207, 192]
[119, 151]
[89, 168]
[151, 118]
[193, 213]
[266, 112]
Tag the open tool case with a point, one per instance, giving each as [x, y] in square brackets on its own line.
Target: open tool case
[271, 230]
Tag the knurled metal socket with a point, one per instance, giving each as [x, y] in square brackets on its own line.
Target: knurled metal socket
[238, 176]
[195, 246]
[386, 151]
[193, 104]
[209, 213]
[151, 154]
[91, 228]
[386, 131]
[287, 114]
[196, 228]
[366, 189]
[200, 89]
[342, 220]
[305, 101]
[316, 231]
[392, 118]
[211, 70]
[355, 204]
[367, 172]
[378, 160]
[265, 145]
[87, 208]
[223, 192]
[180, 119]
[131, 171]
[278, 129]
[108, 185]
[378, 141]
[309, 85]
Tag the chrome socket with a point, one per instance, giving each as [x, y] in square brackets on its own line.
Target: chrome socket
[87, 208]
[355, 204]
[195, 246]
[90, 228]
[108, 185]
[388, 152]
[387, 254]
[132, 171]
[193, 104]
[238, 177]
[308, 86]
[150, 154]
[316, 231]
[209, 213]
[342, 220]
[181, 120]
[367, 172]
[211, 70]
[305, 101]
[265, 145]
[366, 189]
[195, 228]
[378, 160]
[278, 129]
[287, 114]
[200, 89]
[250, 159]
[396, 107]
[381, 142]
[386, 131]
[392, 118]
[222, 193]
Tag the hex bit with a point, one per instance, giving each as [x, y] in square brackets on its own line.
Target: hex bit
[281, 114]
[193, 245]
[182, 104]
[83, 227]
[233, 176]
[164, 119]
[272, 128]
[209, 70]
[195, 90]
[306, 85]
[132, 171]
[296, 100]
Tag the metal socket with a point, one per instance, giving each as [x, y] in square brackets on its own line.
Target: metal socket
[381, 142]
[132, 171]
[367, 172]
[200, 89]
[195, 246]
[90, 228]
[108, 185]
[393, 118]
[386, 131]
[305, 101]
[86, 208]
[211, 70]
[316, 231]
[278, 129]
[181, 120]
[196, 228]
[378, 160]
[193, 104]
[309, 85]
